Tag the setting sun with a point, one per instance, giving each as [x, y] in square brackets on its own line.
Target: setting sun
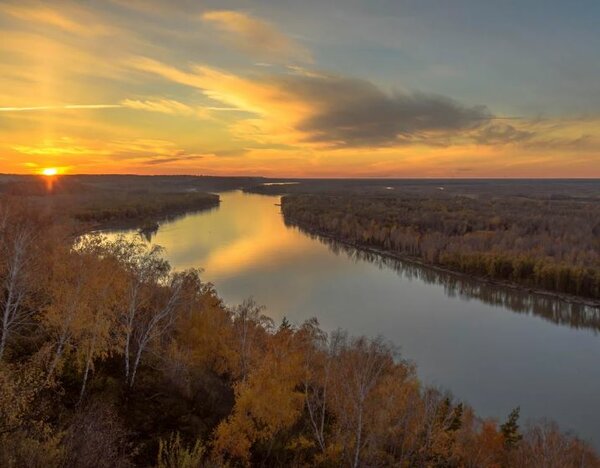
[49, 171]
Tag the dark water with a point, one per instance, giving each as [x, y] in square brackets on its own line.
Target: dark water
[494, 348]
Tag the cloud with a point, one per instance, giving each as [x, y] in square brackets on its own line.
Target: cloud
[60, 147]
[79, 21]
[172, 107]
[165, 106]
[58, 108]
[353, 112]
[180, 157]
[255, 36]
[143, 151]
[502, 133]
[328, 111]
[581, 142]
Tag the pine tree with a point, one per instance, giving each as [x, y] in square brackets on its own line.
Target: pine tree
[285, 324]
[510, 429]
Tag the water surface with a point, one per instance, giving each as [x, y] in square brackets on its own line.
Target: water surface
[494, 348]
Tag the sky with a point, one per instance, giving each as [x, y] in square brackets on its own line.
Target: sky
[311, 88]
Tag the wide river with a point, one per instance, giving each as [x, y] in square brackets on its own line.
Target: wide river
[493, 348]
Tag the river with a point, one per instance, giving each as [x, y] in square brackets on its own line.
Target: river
[492, 347]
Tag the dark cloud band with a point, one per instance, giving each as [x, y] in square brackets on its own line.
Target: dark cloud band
[353, 112]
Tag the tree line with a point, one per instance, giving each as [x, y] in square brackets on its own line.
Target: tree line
[548, 244]
[572, 314]
[110, 358]
[118, 207]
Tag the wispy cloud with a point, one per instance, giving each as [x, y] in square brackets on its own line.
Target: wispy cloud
[173, 107]
[182, 157]
[502, 133]
[256, 36]
[166, 106]
[145, 152]
[73, 19]
[64, 146]
[55, 108]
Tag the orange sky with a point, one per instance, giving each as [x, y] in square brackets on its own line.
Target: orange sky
[179, 88]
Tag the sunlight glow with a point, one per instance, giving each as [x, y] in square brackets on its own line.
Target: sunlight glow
[49, 171]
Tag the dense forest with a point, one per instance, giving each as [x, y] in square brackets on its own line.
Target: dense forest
[109, 358]
[546, 243]
[136, 206]
[115, 201]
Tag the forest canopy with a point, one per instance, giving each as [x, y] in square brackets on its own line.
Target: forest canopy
[551, 244]
[108, 357]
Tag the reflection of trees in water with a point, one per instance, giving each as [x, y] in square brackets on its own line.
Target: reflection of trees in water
[149, 230]
[552, 309]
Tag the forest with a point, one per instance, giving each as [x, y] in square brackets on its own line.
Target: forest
[110, 358]
[545, 243]
[117, 201]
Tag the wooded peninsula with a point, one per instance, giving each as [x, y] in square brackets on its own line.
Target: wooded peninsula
[539, 243]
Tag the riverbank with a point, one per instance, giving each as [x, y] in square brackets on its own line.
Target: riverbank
[101, 210]
[144, 212]
[98, 202]
[570, 299]
[542, 245]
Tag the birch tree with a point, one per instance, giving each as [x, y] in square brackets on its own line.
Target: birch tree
[156, 319]
[99, 335]
[66, 316]
[320, 353]
[249, 324]
[143, 269]
[17, 261]
[361, 365]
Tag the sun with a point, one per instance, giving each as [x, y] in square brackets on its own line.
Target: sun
[49, 171]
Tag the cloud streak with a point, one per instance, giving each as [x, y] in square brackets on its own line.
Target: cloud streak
[78, 22]
[181, 157]
[57, 108]
[255, 36]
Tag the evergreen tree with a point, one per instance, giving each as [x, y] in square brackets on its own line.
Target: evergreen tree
[510, 429]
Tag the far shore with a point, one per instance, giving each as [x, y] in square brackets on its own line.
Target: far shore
[569, 298]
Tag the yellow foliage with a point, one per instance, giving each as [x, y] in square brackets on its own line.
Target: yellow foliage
[173, 453]
[267, 402]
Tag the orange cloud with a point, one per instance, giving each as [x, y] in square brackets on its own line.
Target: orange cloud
[314, 110]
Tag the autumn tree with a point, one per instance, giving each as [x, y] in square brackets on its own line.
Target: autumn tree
[21, 249]
[66, 317]
[145, 278]
[545, 445]
[99, 335]
[360, 366]
[156, 318]
[267, 402]
[26, 437]
[249, 327]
